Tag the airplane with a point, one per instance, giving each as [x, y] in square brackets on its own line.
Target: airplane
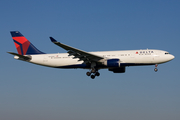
[115, 61]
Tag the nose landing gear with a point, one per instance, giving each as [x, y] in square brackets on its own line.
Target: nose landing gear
[155, 69]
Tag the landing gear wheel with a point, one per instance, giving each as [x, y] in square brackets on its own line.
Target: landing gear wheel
[92, 76]
[88, 73]
[155, 69]
[97, 74]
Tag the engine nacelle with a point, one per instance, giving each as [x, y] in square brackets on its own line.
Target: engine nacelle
[118, 70]
[112, 63]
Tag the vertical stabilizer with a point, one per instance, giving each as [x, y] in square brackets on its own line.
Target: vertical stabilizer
[23, 46]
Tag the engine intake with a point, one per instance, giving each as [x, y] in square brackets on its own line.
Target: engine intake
[112, 63]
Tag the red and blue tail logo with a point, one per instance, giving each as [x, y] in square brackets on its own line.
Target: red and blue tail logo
[23, 46]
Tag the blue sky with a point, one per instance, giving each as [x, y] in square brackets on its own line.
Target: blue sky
[35, 92]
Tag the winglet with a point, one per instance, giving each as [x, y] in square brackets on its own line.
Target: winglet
[53, 40]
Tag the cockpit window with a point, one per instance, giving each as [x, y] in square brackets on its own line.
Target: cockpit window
[166, 53]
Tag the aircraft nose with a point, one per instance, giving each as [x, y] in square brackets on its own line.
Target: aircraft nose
[172, 57]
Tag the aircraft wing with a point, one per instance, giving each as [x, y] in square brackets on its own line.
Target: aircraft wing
[82, 55]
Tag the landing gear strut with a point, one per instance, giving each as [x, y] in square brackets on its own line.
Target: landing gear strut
[155, 69]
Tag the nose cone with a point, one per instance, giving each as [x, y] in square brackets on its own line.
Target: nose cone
[172, 57]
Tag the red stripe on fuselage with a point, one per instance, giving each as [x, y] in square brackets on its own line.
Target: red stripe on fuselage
[25, 44]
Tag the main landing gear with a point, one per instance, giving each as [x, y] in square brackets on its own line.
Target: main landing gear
[155, 69]
[93, 73]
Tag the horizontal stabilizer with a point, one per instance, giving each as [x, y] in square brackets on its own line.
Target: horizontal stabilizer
[20, 56]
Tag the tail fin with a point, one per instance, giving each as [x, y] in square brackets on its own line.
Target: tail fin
[23, 46]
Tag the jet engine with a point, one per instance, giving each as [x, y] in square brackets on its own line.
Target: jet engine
[112, 63]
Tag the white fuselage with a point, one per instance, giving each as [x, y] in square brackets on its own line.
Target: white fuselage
[127, 58]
